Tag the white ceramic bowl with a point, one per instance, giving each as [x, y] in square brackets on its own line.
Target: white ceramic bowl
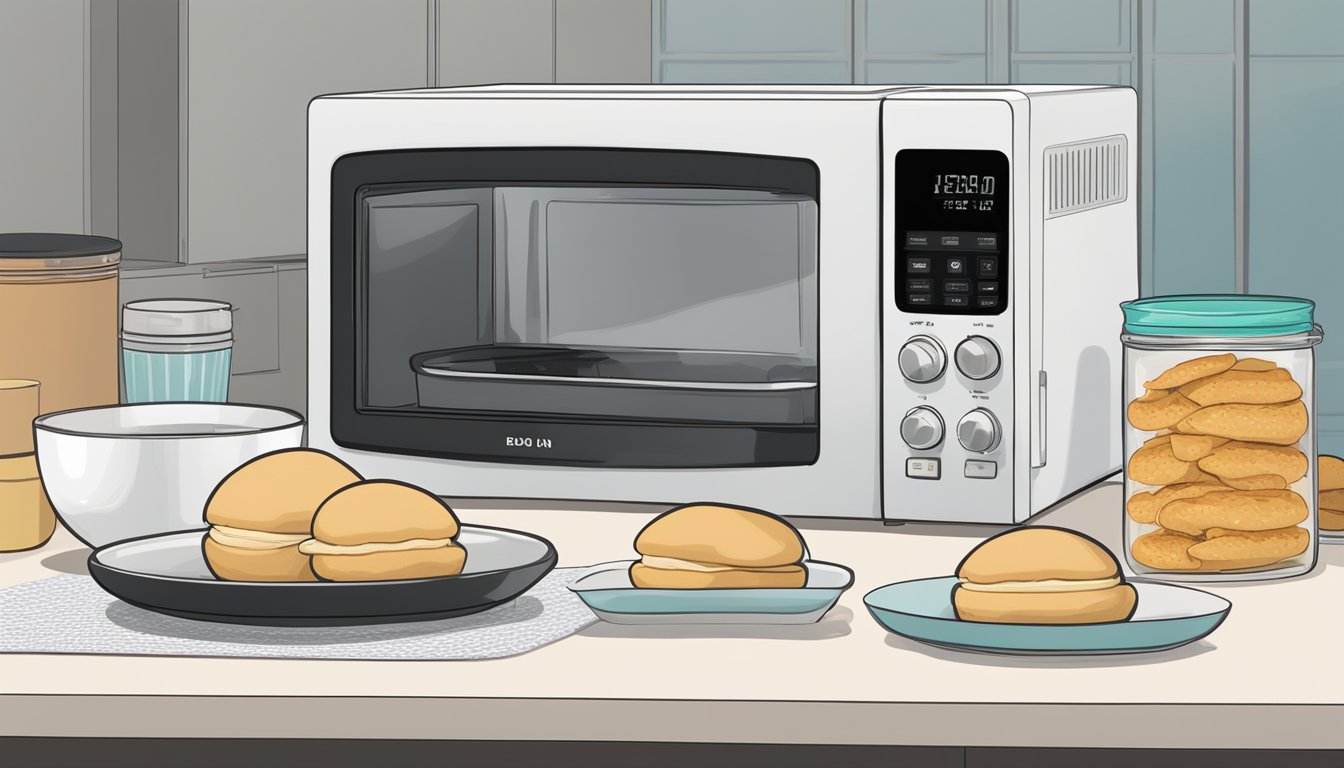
[121, 471]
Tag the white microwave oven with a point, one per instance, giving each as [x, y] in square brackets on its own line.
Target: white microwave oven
[894, 303]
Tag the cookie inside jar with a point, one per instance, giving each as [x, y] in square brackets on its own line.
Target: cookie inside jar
[1330, 495]
[1222, 481]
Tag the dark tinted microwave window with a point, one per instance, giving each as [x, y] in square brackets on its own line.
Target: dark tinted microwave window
[723, 276]
[576, 306]
[548, 281]
[422, 277]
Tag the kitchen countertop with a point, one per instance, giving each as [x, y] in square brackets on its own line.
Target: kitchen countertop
[1268, 678]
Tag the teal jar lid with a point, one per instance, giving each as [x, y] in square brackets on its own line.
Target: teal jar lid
[1219, 315]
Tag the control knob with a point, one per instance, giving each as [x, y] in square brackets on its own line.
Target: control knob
[978, 431]
[978, 358]
[922, 359]
[922, 428]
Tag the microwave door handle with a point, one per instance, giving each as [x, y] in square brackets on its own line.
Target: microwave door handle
[1038, 460]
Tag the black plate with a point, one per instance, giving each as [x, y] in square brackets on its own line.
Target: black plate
[167, 574]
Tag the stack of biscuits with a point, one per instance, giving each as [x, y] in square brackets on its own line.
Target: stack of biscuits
[1330, 482]
[1222, 464]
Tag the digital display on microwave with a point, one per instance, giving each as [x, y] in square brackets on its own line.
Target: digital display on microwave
[963, 184]
[964, 191]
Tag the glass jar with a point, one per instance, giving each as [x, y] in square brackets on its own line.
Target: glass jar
[1220, 437]
[177, 350]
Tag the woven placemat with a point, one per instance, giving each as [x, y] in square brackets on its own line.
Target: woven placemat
[72, 614]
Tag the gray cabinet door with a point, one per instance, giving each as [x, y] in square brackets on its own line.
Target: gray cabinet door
[496, 41]
[1296, 164]
[285, 387]
[270, 345]
[253, 292]
[42, 116]
[603, 41]
[249, 69]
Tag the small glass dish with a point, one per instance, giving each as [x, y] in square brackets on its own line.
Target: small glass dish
[606, 589]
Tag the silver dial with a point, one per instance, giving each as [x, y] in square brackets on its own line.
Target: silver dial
[922, 359]
[978, 358]
[978, 431]
[922, 428]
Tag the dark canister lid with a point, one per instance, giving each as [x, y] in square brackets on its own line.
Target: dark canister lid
[54, 245]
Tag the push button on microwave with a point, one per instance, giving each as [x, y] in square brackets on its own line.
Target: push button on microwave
[956, 300]
[918, 265]
[987, 266]
[956, 286]
[987, 302]
[987, 288]
[982, 470]
[919, 285]
[956, 265]
[920, 299]
[924, 468]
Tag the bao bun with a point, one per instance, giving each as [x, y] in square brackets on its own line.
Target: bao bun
[379, 530]
[714, 546]
[262, 510]
[1042, 575]
[278, 492]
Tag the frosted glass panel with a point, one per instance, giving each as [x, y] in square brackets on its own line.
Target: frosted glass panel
[1297, 202]
[755, 72]
[919, 26]
[1072, 26]
[1192, 26]
[755, 26]
[931, 71]
[1194, 204]
[1072, 72]
[1296, 27]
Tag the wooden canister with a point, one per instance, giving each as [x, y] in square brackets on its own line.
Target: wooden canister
[58, 316]
[26, 518]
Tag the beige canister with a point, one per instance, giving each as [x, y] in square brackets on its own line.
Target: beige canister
[58, 316]
[26, 518]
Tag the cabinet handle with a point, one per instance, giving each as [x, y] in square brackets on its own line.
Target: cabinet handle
[270, 268]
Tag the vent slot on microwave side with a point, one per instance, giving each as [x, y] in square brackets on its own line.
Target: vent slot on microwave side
[1084, 175]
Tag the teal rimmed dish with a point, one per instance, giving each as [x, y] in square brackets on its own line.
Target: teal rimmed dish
[606, 590]
[1167, 616]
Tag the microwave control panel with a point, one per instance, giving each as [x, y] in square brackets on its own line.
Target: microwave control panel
[951, 216]
[948, 422]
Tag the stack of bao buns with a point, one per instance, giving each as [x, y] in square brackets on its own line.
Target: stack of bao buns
[1042, 575]
[1330, 486]
[1222, 462]
[303, 515]
[714, 546]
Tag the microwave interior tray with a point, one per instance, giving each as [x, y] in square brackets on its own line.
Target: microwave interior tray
[652, 384]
